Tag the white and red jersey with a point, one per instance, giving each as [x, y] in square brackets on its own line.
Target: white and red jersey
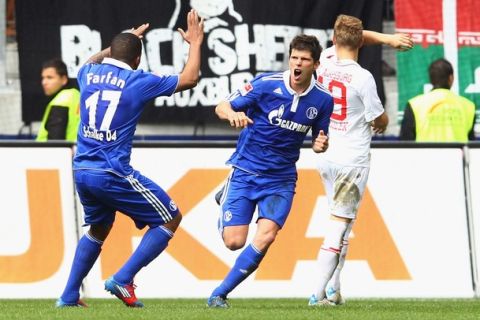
[356, 104]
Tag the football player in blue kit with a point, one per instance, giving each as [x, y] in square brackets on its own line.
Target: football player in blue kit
[276, 110]
[113, 95]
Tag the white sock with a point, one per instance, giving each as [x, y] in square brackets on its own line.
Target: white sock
[335, 280]
[328, 255]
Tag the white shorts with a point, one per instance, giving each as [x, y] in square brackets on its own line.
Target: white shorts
[344, 186]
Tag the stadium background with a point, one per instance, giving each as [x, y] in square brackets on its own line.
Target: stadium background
[234, 51]
[418, 267]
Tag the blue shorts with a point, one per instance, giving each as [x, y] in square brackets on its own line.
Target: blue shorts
[102, 194]
[244, 191]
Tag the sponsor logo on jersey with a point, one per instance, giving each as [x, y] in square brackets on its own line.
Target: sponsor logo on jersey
[172, 205]
[311, 113]
[246, 89]
[278, 91]
[275, 118]
[281, 110]
[227, 216]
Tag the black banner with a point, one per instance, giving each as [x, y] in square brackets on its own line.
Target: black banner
[243, 38]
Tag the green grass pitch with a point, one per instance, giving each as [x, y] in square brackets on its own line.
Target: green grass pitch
[264, 309]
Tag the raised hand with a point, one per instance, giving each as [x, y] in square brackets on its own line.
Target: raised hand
[140, 30]
[194, 33]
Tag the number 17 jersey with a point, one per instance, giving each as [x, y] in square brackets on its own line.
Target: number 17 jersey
[112, 98]
[356, 104]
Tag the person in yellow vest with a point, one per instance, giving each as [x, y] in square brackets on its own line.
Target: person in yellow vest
[439, 115]
[61, 118]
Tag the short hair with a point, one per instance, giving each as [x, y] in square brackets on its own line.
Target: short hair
[126, 47]
[305, 42]
[439, 72]
[59, 66]
[348, 31]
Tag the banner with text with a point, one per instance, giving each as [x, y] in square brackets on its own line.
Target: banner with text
[389, 254]
[242, 38]
[440, 29]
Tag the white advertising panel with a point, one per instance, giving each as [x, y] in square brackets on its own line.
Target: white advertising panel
[37, 221]
[420, 196]
[410, 239]
[474, 155]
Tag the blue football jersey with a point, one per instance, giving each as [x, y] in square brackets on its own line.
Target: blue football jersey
[281, 120]
[112, 97]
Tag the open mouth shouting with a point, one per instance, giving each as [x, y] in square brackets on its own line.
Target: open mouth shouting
[297, 73]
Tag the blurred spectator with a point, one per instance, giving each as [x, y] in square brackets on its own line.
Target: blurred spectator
[439, 115]
[61, 117]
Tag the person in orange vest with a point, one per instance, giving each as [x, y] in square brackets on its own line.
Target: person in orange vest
[439, 115]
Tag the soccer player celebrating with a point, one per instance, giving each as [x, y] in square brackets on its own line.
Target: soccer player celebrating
[345, 166]
[113, 95]
[276, 111]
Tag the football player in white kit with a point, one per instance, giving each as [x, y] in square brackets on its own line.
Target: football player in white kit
[344, 167]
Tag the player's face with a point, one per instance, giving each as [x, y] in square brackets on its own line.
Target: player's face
[301, 68]
[52, 82]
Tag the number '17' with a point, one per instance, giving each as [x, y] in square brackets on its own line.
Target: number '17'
[113, 97]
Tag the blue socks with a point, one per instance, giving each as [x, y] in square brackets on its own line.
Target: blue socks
[246, 263]
[88, 249]
[86, 254]
[153, 243]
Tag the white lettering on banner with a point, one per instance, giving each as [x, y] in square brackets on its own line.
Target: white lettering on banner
[466, 38]
[154, 40]
[426, 36]
[78, 43]
[232, 53]
[226, 59]
[210, 91]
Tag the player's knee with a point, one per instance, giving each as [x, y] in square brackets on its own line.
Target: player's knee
[173, 224]
[270, 237]
[178, 218]
[334, 234]
[100, 232]
[265, 239]
[234, 242]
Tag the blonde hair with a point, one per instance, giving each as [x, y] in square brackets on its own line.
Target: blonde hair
[348, 31]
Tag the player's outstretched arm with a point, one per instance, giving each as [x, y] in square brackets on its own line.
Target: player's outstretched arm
[194, 37]
[379, 125]
[320, 144]
[105, 53]
[399, 41]
[236, 119]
